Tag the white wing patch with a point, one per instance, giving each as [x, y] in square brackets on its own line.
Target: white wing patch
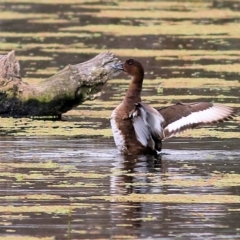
[155, 121]
[141, 127]
[213, 114]
[117, 134]
[147, 122]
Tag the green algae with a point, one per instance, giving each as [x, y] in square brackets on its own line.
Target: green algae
[52, 1]
[215, 67]
[216, 179]
[155, 13]
[25, 237]
[150, 25]
[91, 110]
[91, 113]
[32, 197]
[5, 46]
[230, 29]
[85, 175]
[34, 59]
[200, 82]
[50, 128]
[172, 198]
[41, 35]
[29, 127]
[219, 180]
[51, 21]
[77, 184]
[60, 209]
[20, 177]
[7, 15]
[152, 5]
[205, 133]
[41, 165]
[158, 54]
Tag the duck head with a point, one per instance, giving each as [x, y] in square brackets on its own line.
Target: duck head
[130, 66]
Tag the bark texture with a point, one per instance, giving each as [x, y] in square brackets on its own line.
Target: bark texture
[56, 95]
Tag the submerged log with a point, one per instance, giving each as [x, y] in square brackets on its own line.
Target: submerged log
[56, 95]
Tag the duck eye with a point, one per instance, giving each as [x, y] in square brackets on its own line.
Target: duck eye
[130, 62]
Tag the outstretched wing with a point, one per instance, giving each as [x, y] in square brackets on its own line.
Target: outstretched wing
[147, 123]
[183, 116]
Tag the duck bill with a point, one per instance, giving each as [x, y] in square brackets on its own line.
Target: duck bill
[118, 66]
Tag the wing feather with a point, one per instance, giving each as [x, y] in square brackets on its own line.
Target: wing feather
[147, 123]
[141, 129]
[182, 116]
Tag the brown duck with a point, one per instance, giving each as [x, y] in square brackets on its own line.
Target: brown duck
[139, 128]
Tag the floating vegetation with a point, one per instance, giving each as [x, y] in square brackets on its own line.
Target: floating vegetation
[26, 237]
[29, 127]
[41, 35]
[32, 197]
[187, 54]
[67, 180]
[153, 5]
[173, 198]
[216, 68]
[158, 14]
[199, 82]
[41, 209]
[5, 15]
[67, 2]
[229, 30]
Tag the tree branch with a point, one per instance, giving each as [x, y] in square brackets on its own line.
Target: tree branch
[56, 95]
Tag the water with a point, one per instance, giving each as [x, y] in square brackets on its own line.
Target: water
[57, 184]
[56, 188]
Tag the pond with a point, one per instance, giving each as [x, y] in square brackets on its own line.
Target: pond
[66, 180]
[83, 189]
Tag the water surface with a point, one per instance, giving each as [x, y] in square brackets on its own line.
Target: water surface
[66, 180]
[56, 188]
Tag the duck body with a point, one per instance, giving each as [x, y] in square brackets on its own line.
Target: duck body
[124, 125]
[121, 120]
[139, 129]
[123, 131]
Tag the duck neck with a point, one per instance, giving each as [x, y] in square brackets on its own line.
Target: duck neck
[135, 88]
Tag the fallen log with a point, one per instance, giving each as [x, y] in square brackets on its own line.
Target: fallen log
[56, 95]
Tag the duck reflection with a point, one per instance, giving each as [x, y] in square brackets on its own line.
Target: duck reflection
[140, 219]
[134, 175]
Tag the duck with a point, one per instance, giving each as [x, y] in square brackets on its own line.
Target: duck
[140, 129]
